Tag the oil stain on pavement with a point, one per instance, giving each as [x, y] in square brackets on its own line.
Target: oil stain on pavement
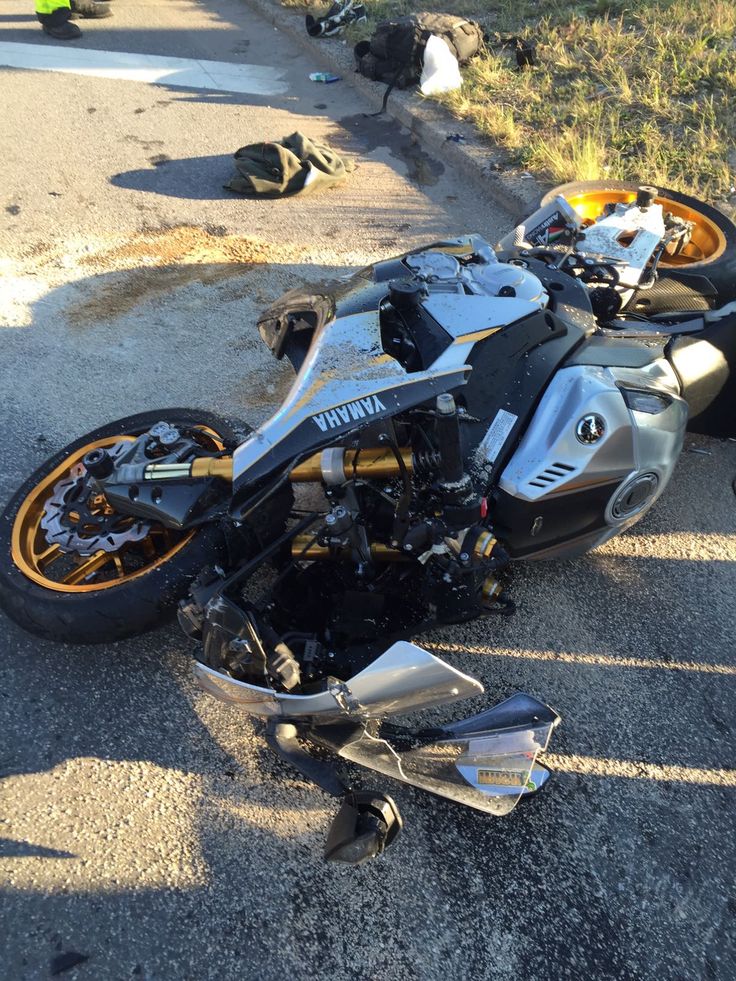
[370, 133]
[154, 263]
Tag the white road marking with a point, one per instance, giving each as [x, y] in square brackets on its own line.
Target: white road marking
[220, 76]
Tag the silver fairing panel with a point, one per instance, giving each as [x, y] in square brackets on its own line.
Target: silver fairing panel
[552, 463]
[480, 762]
[346, 381]
[405, 678]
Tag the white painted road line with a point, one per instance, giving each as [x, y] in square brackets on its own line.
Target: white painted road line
[220, 76]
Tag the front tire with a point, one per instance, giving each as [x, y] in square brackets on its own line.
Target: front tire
[106, 596]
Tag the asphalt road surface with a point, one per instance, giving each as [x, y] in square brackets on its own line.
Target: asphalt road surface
[145, 827]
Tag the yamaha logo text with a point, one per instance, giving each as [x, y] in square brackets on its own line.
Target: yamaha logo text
[350, 412]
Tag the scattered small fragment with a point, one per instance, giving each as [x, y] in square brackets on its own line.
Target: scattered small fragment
[326, 77]
[66, 961]
[525, 53]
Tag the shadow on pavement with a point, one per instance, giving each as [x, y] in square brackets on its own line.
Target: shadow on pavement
[202, 178]
[23, 849]
[193, 177]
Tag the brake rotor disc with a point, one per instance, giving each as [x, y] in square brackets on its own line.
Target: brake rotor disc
[78, 519]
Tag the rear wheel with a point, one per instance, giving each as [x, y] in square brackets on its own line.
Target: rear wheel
[74, 570]
[711, 252]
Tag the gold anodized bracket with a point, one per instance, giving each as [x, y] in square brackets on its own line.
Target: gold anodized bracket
[377, 462]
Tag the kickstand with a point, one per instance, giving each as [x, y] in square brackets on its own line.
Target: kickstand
[282, 738]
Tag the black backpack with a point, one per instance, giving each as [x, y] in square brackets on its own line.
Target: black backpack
[395, 52]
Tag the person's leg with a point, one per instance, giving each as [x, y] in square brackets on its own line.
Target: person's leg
[54, 17]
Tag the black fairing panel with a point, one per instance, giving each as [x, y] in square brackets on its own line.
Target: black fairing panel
[384, 272]
[691, 293]
[306, 438]
[576, 514]
[511, 370]
[569, 299]
[706, 366]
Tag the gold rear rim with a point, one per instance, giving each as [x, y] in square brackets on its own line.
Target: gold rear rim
[69, 572]
[706, 244]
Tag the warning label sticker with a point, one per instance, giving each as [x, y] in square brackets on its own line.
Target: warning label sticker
[492, 443]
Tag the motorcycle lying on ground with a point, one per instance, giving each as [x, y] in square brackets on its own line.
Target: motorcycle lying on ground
[456, 409]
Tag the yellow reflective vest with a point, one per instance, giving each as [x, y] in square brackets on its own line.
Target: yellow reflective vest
[49, 6]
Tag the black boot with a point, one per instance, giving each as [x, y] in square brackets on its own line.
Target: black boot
[90, 8]
[62, 32]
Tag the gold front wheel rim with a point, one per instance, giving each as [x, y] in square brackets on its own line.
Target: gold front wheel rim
[36, 559]
[707, 243]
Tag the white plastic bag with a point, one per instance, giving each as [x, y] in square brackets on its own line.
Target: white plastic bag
[441, 72]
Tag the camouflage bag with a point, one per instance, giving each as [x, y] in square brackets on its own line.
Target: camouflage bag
[395, 52]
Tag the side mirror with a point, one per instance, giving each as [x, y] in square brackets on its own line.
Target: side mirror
[364, 827]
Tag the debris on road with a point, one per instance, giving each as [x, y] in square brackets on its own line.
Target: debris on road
[395, 52]
[66, 961]
[326, 77]
[295, 165]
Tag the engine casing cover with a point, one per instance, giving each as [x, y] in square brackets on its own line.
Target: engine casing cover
[560, 495]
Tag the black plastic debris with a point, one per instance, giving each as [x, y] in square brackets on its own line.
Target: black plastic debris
[526, 52]
[66, 961]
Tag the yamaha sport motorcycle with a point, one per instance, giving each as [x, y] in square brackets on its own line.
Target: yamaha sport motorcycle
[457, 409]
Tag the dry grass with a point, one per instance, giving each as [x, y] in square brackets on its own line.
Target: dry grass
[624, 90]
